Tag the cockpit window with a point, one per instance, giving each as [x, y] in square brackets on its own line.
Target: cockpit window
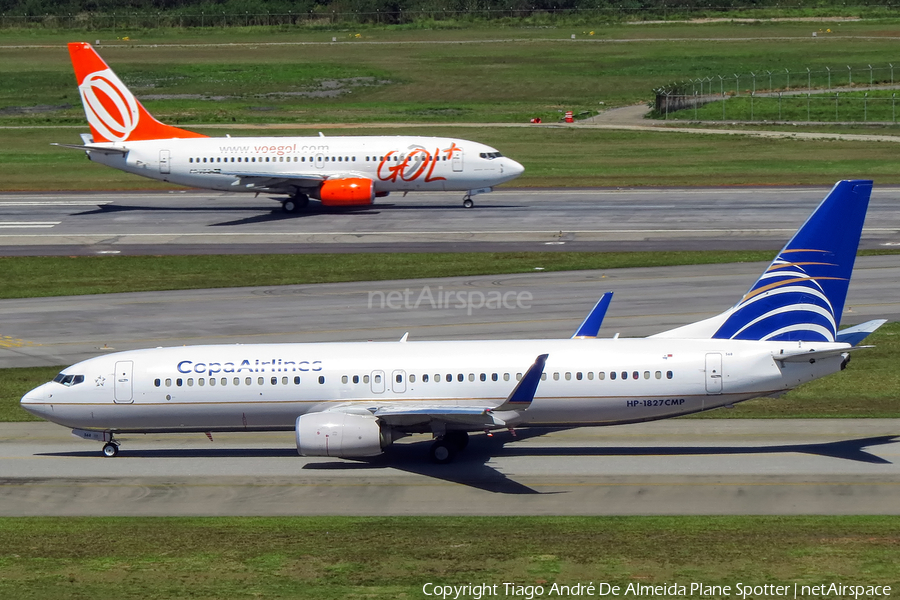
[68, 380]
[490, 155]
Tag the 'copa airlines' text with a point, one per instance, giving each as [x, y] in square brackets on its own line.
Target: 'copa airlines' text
[276, 365]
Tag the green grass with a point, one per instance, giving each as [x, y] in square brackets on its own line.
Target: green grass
[868, 388]
[36, 276]
[354, 558]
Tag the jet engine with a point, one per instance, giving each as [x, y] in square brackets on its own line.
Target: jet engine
[341, 434]
[350, 191]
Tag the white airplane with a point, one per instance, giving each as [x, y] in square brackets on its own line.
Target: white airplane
[354, 399]
[338, 171]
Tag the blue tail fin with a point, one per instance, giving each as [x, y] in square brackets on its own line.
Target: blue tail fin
[800, 297]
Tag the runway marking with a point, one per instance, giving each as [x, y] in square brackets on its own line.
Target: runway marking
[7, 341]
[55, 203]
[28, 224]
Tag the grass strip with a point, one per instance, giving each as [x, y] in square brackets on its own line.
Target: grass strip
[38, 276]
[336, 557]
[868, 388]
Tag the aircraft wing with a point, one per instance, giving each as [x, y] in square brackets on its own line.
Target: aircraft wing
[407, 414]
[263, 180]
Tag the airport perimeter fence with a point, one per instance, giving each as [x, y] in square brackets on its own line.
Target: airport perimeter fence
[848, 93]
[322, 16]
[873, 106]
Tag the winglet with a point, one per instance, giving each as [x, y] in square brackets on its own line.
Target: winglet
[523, 394]
[854, 335]
[590, 327]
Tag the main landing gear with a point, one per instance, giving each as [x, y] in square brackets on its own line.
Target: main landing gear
[111, 448]
[295, 203]
[467, 202]
[445, 448]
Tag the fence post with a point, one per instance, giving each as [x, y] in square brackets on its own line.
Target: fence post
[849, 76]
[893, 108]
[871, 81]
[751, 107]
[866, 106]
[724, 98]
[737, 85]
[770, 80]
[753, 75]
[808, 80]
[836, 94]
[788, 78]
[807, 108]
[779, 106]
[829, 77]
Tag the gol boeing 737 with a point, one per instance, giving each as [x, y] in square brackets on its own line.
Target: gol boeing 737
[354, 399]
[338, 171]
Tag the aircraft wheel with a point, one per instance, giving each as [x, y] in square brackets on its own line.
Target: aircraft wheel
[442, 451]
[459, 439]
[295, 203]
[110, 450]
[467, 203]
[289, 206]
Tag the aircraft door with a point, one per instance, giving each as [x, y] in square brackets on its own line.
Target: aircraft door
[124, 384]
[714, 373]
[398, 382]
[164, 157]
[320, 161]
[456, 161]
[378, 382]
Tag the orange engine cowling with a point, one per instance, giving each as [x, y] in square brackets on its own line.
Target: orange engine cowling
[351, 191]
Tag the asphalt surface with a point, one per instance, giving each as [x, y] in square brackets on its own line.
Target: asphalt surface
[193, 222]
[64, 330]
[824, 466]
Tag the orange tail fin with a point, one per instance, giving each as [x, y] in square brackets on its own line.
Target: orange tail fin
[112, 111]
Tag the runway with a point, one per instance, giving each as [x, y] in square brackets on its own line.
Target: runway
[64, 330]
[196, 222]
[821, 466]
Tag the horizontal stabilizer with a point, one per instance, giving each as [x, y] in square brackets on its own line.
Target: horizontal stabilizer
[854, 335]
[523, 394]
[98, 149]
[809, 355]
[590, 327]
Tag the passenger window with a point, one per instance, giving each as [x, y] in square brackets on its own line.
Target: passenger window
[168, 383]
[506, 377]
[156, 382]
[179, 381]
[578, 376]
[344, 379]
[356, 379]
[398, 378]
[425, 378]
[646, 374]
[378, 379]
[201, 381]
[518, 377]
[236, 381]
[556, 377]
[212, 381]
[459, 377]
[471, 376]
[669, 375]
[321, 379]
[568, 376]
[493, 377]
[483, 377]
[365, 379]
[635, 375]
[624, 374]
[296, 380]
[260, 381]
[190, 382]
[590, 375]
[284, 381]
[601, 375]
[659, 374]
[248, 381]
[412, 378]
[612, 374]
[543, 377]
[273, 380]
[224, 381]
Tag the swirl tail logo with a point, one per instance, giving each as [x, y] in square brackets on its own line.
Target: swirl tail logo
[112, 111]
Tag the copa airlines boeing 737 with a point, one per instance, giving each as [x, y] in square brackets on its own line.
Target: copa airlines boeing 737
[354, 399]
[338, 171]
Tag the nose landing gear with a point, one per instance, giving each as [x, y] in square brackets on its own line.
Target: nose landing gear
[110, 449]
[467, 202]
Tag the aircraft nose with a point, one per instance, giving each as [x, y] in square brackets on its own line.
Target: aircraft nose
[36, 402]
[514, 169]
